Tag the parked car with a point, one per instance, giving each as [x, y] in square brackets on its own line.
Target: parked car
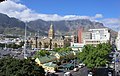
[75, 69]
[109, 74]
[113, 62]
[67, 74]
[117, 60]
[79, 66]
[90, 74]
[82, 64]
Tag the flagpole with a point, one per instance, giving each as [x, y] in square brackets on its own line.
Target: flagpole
[25, 51]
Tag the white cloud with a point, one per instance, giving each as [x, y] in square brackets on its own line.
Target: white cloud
[15, 9]
[113, 23]
[98, 16]
[15, 0]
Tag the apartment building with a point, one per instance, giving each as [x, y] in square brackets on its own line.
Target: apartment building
[118, 41]
[97, 36]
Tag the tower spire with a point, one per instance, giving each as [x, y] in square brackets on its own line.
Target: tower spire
[51, 26]
[51, 32]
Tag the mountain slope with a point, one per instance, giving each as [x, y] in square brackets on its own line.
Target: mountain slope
[65, 27]
[8, 24]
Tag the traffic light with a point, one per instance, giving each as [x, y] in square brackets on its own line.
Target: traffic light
[2, 0]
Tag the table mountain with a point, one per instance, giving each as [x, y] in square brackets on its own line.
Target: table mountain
[10, 25]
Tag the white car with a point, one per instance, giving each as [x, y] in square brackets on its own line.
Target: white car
[67, 74]
[81, 64]
[113, 62]
[90, 74]
[109, 74]
[75, 69]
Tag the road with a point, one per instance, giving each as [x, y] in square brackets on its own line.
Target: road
[81, 72]
[117, 63]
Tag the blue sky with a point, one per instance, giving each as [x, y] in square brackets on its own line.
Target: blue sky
[104, 11]
[108, 8]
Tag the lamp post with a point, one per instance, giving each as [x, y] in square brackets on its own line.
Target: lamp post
[115, 63]
[74, 58]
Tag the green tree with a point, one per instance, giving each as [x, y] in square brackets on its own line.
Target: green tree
[95, 57]
[2, 45]
[56, 49]
[41, 53]
[15, 67]
[15, 46]
[65, 49]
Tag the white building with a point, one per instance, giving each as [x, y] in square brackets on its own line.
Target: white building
[118, 41]
[93, 37]
[102, 33]
[77, 46]
[97, 36]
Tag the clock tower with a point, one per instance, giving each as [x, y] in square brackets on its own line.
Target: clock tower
[51, 32]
